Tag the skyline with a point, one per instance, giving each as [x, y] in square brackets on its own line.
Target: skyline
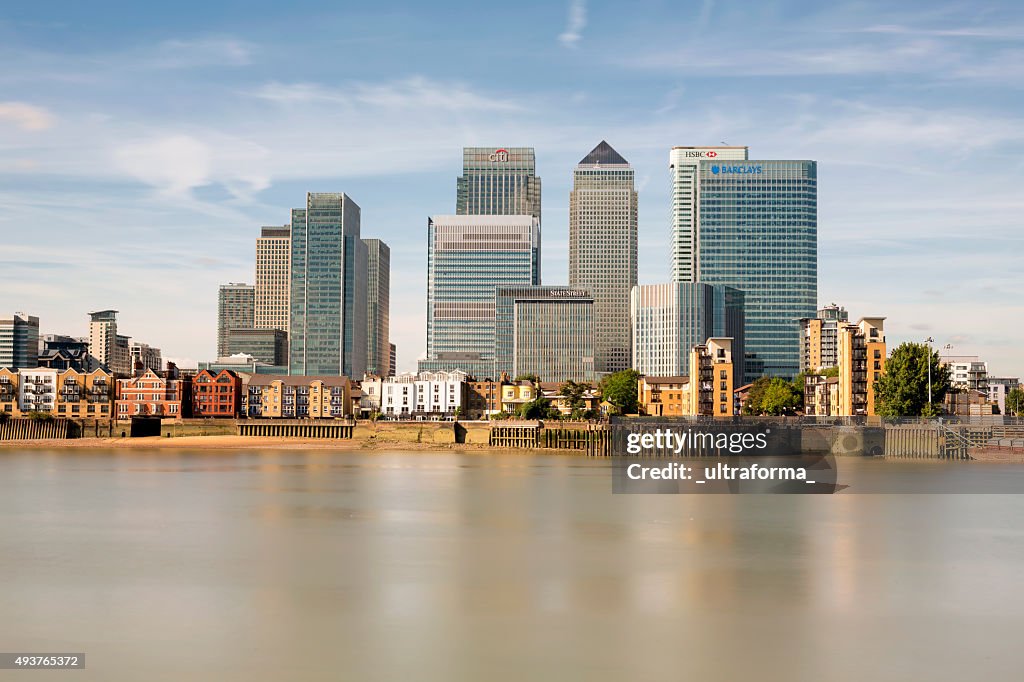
[148, 153]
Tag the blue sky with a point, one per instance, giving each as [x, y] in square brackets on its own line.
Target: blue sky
[143, 145]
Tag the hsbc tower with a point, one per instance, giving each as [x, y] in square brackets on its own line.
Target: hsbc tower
[683, 163]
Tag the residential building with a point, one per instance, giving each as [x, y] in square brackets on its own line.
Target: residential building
[167, 395]
[967, 372]
[819, 336]
[668, 320]
[297, 397]
[273, 278]
[216, 394]
[758, 232]
[329, 260]
[467, 257]
[498, 181]
[861, 361]
[428, 395]
[19, 341]
[821, 395]
[69, 393]
[143, 356]
[712, 378]
[483, 397]
[9, 391]
[378, 307]
[108, 349]
[544, 330]
[64, 352]
[667, 396]
[269, 346]
[603, 249]
[371, 389]
[998, 387]
[37, 390]
[552, 392]
[515, 394]
[236, 305]
[683, 164]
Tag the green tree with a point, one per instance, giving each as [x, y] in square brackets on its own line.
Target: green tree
[902, 391]
[575, 394]
[1015, 402]
[829, 372]
[620, 389]
[798, 386]
[535, 409]
[771, 396]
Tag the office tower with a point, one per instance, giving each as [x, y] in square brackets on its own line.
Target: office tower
[668, 320]
[273, 275]
[19, 341]
[142, 356]
[546, 331]
[467, 257]
[758, 232]
[861, 361]
[108, 348]
[602, 249]
[327, 325]
[235, 310]
[683, 163]
[819, 336]
[394, 360]
[378, 304]
[498, 181]
[268, 346]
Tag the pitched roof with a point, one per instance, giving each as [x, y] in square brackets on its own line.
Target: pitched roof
[604, 154]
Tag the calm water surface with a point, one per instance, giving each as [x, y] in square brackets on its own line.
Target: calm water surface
[291, 565]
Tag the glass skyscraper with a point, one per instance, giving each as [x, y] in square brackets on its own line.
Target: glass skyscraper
[468, 256]
[378, 307]
[603, 249]
[544, 330]
[758, 232]
[327, 323]
[498, 181]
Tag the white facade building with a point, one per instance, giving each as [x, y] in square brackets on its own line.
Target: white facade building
[37, 390]
[427, 395]
[967, 372]
[683, 163]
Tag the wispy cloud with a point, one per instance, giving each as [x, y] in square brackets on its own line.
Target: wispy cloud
[26, 116]
[577, 22]
[209, 51]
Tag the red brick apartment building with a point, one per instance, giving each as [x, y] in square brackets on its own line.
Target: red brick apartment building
[216, 395]
[168, 396]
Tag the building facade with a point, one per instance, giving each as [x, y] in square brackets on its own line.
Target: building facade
[712, 378]
[329, 260]
[664, 396]
[429, 395]
[758, 232]
[544, 330]
[683, 165]
[467, 258]
[142, 356]
[108, 349]
[378, 307]
[819, 338]
[273, 278]
[216, 394]
[668, 320]
[268, 346]
[297, 397]
[64, 352]
[236, 306]
[603, 249]
[998, 387]
[861, 361]
[393, 364]
[69, 393]
[967, 372]
[498, 181]
[19, 341]
[167, 395]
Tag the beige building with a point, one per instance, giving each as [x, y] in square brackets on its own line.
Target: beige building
[273, 278]
[712, 378]
[108, 348]
[819, 337]
[297, 397]
[664, 396]
[62, 393]
[861, 362]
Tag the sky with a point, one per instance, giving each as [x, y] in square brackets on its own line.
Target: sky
[142, 145]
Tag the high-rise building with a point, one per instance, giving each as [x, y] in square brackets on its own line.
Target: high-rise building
[758, 232]
[19, 341]
[861, 362]
[669, 320]
[467, 257]
[235, 310]
[819, 336]
[108, 349]
[712, 372]
[603, 249]
[394, 359]
[498, 181]
[268, 346]
[378, 307]
[327, 324]
[683, 163]
[273, 278]
[544, 331]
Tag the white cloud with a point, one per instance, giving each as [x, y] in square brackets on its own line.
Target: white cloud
[577, 22]
[210, 51]
[26, 116]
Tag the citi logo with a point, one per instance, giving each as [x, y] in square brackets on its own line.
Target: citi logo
[499, 155]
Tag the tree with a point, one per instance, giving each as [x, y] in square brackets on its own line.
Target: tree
[575, 394]
[529, 377]
[535, 409]
[798, 386]
[620, 390]
[1015, 402]
[829, 372]
[902, 391]
[771, 396]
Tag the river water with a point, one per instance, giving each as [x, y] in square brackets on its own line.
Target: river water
[320, 565]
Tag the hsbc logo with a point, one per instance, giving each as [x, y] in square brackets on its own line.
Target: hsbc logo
[500, 155]
[712, 154]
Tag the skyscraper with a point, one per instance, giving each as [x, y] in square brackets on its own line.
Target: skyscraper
[670, 319]
[498, 181]
[235, 310]
[327, 323]
[544, 330]
[108, 348]
[378, 306]
[19, 341]
[467, 257]
[683, 162]
[758, 232]
[602, 249]
[273, 277]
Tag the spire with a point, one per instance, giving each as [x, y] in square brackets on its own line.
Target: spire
[604, 154]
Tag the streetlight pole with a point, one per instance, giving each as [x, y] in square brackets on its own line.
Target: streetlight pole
[929, 341]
